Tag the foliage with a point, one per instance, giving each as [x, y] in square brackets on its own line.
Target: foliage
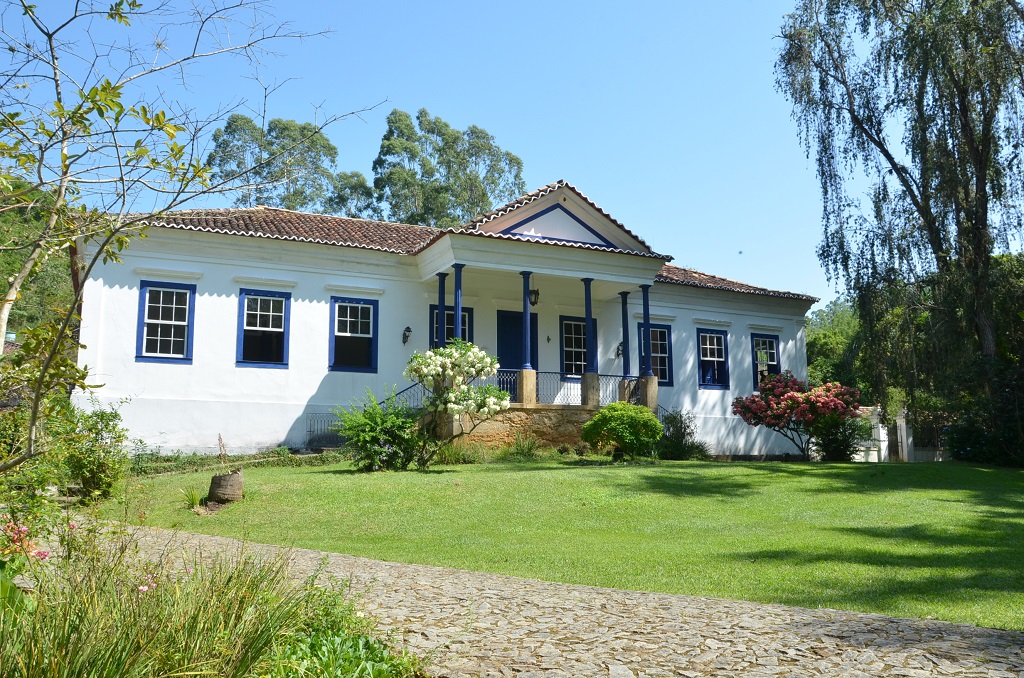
[460, 452]
[145, 463]
[632, 428]
[525, 447]
[836, 438]
[92, 443]
[17, 551]
[382, 436]
[680, 439]
[91, 144]
[100, 614]
[191, 497]
[833, 344]
[786, 405]
[432, 174]
[925, 101]
[448, 374]
[292, 163]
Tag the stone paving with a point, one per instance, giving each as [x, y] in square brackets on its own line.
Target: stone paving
[474, 624]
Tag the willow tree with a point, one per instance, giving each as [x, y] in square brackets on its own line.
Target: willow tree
[912, 109]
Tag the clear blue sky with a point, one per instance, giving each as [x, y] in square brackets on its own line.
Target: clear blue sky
[665, 114]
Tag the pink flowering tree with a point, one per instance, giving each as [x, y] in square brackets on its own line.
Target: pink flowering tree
[824, 414]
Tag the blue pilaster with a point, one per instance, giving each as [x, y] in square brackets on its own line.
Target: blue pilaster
[588, 332]
[458, 299]
[441, 309]
[625, 334]
[526, 319]
[646, 369]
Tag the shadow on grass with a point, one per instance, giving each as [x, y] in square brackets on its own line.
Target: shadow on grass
[357, 472]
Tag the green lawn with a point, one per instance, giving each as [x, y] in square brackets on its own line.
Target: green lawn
[915, 540]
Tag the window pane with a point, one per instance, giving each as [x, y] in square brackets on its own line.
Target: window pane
[352, 351]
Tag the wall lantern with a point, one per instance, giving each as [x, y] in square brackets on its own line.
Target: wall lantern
[534, 297]
[406, 333]
[618, 350]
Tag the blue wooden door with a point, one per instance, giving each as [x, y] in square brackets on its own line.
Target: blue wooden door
[510, 347]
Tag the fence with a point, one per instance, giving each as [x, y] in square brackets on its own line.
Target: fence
[555, 388]
[609, 385]
[319, 432]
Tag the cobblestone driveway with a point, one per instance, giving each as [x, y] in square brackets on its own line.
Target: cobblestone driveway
[470, 624]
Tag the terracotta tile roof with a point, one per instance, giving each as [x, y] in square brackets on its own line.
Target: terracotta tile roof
[281, 224]
[686, 276]
[540, 193]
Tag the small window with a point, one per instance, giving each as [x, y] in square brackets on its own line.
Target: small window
[353, 335]
[573, 344]
[661, 351]
[263, 319]
[714, 359]
[165, 322]
[764, 350]
[449, 324]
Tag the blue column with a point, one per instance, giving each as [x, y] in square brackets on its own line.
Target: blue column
[646, 369]
[526, 320]
[625, 334]
[588, 332]
[458, 299]
[441, 309]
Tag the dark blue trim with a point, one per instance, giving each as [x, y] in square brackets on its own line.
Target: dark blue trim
[243, 293]
[753, 355]
[625, 333]
[140, 327]
[374, 332]
[561, 343]
[725, 350]
[441, 300]
[604, 241]
[527, 364]
[671, 369]
[432, 327]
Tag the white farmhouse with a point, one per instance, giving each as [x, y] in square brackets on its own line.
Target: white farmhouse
[255, 323]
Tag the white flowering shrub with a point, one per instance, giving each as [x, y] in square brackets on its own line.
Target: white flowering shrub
[448, 374]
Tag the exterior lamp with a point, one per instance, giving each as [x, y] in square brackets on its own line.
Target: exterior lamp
[406, 333]
[534, 297]
[618, 350]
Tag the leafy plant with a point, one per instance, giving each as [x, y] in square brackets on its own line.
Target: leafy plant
[680, 440]
[525, 447]
[380, 436]
[632, 428]
[93, 445]
[191, 498]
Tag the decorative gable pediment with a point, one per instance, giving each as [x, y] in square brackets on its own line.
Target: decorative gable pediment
[557, 214]
[558, 224]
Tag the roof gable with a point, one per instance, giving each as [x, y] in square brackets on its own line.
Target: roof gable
[558, 213]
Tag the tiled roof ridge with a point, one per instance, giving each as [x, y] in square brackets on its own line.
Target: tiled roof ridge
[692, 278]
[338, 216]
[532, 196]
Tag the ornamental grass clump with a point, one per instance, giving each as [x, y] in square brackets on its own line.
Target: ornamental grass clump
[803, 415]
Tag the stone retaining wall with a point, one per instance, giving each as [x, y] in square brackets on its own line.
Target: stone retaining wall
[551, 424]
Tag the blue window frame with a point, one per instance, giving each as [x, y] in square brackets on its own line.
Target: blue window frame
[166, 322]
[449, 324]
[353, 335]
[661, 351]
[263, 328]
[764, 354]
[713, 359]
[572, 344]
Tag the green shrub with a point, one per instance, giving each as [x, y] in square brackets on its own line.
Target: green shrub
[380, 436]
[92, 443]
[526, 447]
[456, 453]
[98, 614]
[680, 440]
[837, 439]
[632, 428]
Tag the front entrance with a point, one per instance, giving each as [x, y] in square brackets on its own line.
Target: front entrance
[510, 348]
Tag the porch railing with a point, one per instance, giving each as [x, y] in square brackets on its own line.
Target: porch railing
[556, 388]
[633, 390]
[609, 385]
[318, 430]
[507, 380]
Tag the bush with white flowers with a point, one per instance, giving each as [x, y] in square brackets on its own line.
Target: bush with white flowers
[448, 373]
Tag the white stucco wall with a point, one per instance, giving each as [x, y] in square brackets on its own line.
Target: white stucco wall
[179, 406]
